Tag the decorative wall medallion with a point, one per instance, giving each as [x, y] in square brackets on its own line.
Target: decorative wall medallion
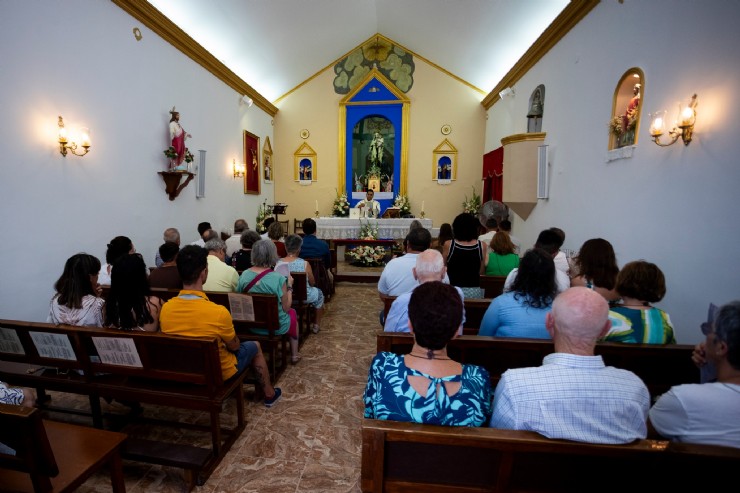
[305, 133]
[446, 129]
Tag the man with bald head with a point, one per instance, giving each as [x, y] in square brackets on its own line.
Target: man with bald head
[430, 266]
[573, 395]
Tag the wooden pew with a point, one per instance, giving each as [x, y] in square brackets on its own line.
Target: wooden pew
[492, 285]
[659, 366]
[275, 347]
[154, 368]
[412, 457]
[305, 313]
[54, 457]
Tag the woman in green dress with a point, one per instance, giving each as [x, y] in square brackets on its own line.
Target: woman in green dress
[501, 258]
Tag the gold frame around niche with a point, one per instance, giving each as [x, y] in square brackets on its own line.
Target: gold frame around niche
[445, 148]
[305, 151]
[405, 119]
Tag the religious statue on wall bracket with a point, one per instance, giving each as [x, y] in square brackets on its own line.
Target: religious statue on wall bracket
[536, 109]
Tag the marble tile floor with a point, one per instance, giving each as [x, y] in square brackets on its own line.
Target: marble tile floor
[309, 441]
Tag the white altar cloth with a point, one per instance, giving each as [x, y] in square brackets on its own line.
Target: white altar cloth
[334, 228]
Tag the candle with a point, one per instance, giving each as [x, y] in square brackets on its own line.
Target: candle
[422, 206]
[317, 206]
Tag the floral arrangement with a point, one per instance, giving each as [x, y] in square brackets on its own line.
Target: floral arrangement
[402, 202]
[341, 206]
[615, 126]
[262, 213]
[367, 256]
[171, 154]
[368, 231]
[473, 204]
[374, 170]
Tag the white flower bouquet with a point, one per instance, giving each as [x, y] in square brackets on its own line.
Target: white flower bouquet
[402, 202]
[367, 256]
[341, 206]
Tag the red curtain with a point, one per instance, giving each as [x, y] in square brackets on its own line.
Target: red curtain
[493, 175]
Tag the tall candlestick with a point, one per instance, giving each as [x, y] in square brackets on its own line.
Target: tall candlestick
[422, 206]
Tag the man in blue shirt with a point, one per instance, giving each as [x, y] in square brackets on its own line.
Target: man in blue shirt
[313, 247]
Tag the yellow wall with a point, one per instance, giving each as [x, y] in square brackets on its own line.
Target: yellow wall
[436, 99]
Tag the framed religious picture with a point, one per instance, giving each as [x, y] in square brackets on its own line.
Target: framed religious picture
[304, 167]
[267, 166]
[444, 163]
[252, 162]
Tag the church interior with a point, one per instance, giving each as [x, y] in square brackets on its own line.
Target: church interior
[283, 92]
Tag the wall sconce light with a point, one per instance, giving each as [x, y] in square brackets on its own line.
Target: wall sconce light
[246, 100]
[84, 138]
[684, 126]
[506, 92]
[239, 170]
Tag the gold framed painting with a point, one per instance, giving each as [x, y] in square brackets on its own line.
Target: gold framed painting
[252, 162]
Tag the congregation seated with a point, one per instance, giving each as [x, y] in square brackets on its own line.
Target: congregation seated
[550, 242]
[77, 300]
[573, 395]
[118, 247]
[707, 413]
[314, 296]
[169, 235]
[261, 279]
[521, 312]
[444, 235]
[221, 277]
[491, 228]
[130, 304]
[397, 276]
[312, 246]
[505, 226]
[426, 386]
[241, 259]
[560, 259]
[596, 268]
[429, 267]
[275, 233]
[166, 276]
[464, 255]
[203, 235]
[192, 314]
[635, 320]
[233, 242]
[501, 258]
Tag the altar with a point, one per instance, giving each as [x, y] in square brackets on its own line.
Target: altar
[333, 228]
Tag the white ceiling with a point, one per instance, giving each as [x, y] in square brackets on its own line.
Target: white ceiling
[274, 45]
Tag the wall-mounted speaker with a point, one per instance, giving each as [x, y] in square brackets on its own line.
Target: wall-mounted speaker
[542, 181]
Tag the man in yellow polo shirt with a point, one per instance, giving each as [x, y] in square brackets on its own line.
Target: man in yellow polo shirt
[191, 314]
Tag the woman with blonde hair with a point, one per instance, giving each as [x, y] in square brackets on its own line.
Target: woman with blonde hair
[501, 259]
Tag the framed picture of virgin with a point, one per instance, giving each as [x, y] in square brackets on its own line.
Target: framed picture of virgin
[252, 162]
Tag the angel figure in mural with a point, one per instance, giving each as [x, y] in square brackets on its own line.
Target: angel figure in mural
[358, 184]
[178, 136]
[388, 185]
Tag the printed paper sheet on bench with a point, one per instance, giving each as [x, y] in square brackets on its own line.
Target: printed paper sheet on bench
[241, 307]
[117, 351]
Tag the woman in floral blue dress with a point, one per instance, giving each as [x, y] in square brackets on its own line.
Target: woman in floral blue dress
[426, 386]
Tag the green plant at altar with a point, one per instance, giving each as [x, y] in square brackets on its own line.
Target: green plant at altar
[262, 213]
[402, 202]
[472, 204]
[368, 231]
[367, 256]
[341, 206]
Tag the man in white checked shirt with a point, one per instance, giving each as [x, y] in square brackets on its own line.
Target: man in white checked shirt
[573, 396]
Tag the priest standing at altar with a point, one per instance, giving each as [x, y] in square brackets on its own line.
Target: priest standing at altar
[369, 207]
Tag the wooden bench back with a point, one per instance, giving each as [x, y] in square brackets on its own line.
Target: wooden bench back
[475, 309]
[412, 457]
[265, 312]
[659, 366]
[492, 285]
[22, 429]
[300, 286]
